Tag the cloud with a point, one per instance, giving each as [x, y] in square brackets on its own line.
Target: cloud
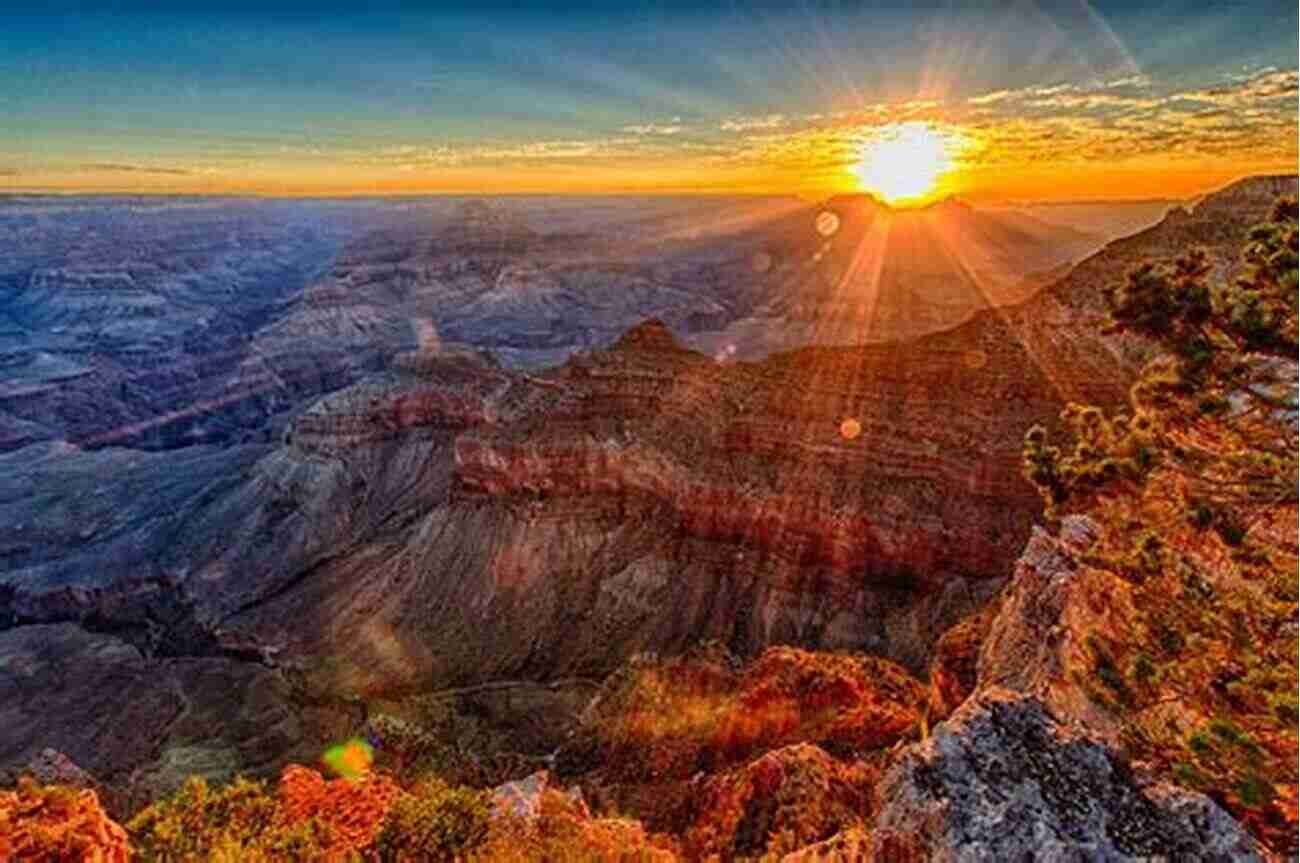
[672, 127]
[1091, 101]
[415, 158]
[992, 98]
[563, 149]
[122, 168]
[1129, 81]
[1265, 85]
[747, 124]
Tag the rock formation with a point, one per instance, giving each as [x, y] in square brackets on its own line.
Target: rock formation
[1006, 779]
[861, 272]
[1031, 762]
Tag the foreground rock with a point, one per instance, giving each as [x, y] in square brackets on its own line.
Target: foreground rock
[1053, 607]
[1030, 765]
[778, 803]
[1005, 779]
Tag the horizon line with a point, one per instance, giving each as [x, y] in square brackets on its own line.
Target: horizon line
[685, 193]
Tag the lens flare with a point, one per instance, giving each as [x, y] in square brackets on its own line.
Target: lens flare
[905, 162]
[827, 223]
[850, 428]
[350, 759]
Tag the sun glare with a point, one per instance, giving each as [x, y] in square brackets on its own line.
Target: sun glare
[905, 162]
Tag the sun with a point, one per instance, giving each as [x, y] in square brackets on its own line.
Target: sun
[904, 162]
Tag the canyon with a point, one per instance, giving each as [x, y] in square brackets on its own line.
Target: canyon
[163, 323]
[457, 514]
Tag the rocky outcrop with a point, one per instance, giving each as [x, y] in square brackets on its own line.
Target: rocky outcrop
[1006, 779]
[782, 801]
[1030, 762]
[1054, 607]
[594, 493]
[523, 797]
[954, 663]
[52, 767]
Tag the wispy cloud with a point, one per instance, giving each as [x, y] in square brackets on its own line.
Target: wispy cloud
[748, 124]
[992, 98]
[1263, 86]
[672, 127]
[1129, 81]
[123, 168]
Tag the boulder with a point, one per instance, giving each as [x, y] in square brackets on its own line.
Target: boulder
[1005, 779]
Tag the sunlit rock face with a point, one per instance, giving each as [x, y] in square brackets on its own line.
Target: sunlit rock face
[1053, 608]
[647, 496]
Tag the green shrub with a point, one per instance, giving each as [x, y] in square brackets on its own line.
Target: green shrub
[236, 822]
[436, 821]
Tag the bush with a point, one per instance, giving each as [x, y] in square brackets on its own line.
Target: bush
[787, 799]
[199, 819]
[57, 823]
[436, 821]
[352, 812]
[307, 818]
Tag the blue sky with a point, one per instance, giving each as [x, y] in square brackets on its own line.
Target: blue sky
[249, 83]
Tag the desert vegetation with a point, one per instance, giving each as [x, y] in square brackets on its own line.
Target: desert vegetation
[1192, 492]
[692, 757]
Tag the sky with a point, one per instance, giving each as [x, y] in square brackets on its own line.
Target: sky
[1022, 100]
